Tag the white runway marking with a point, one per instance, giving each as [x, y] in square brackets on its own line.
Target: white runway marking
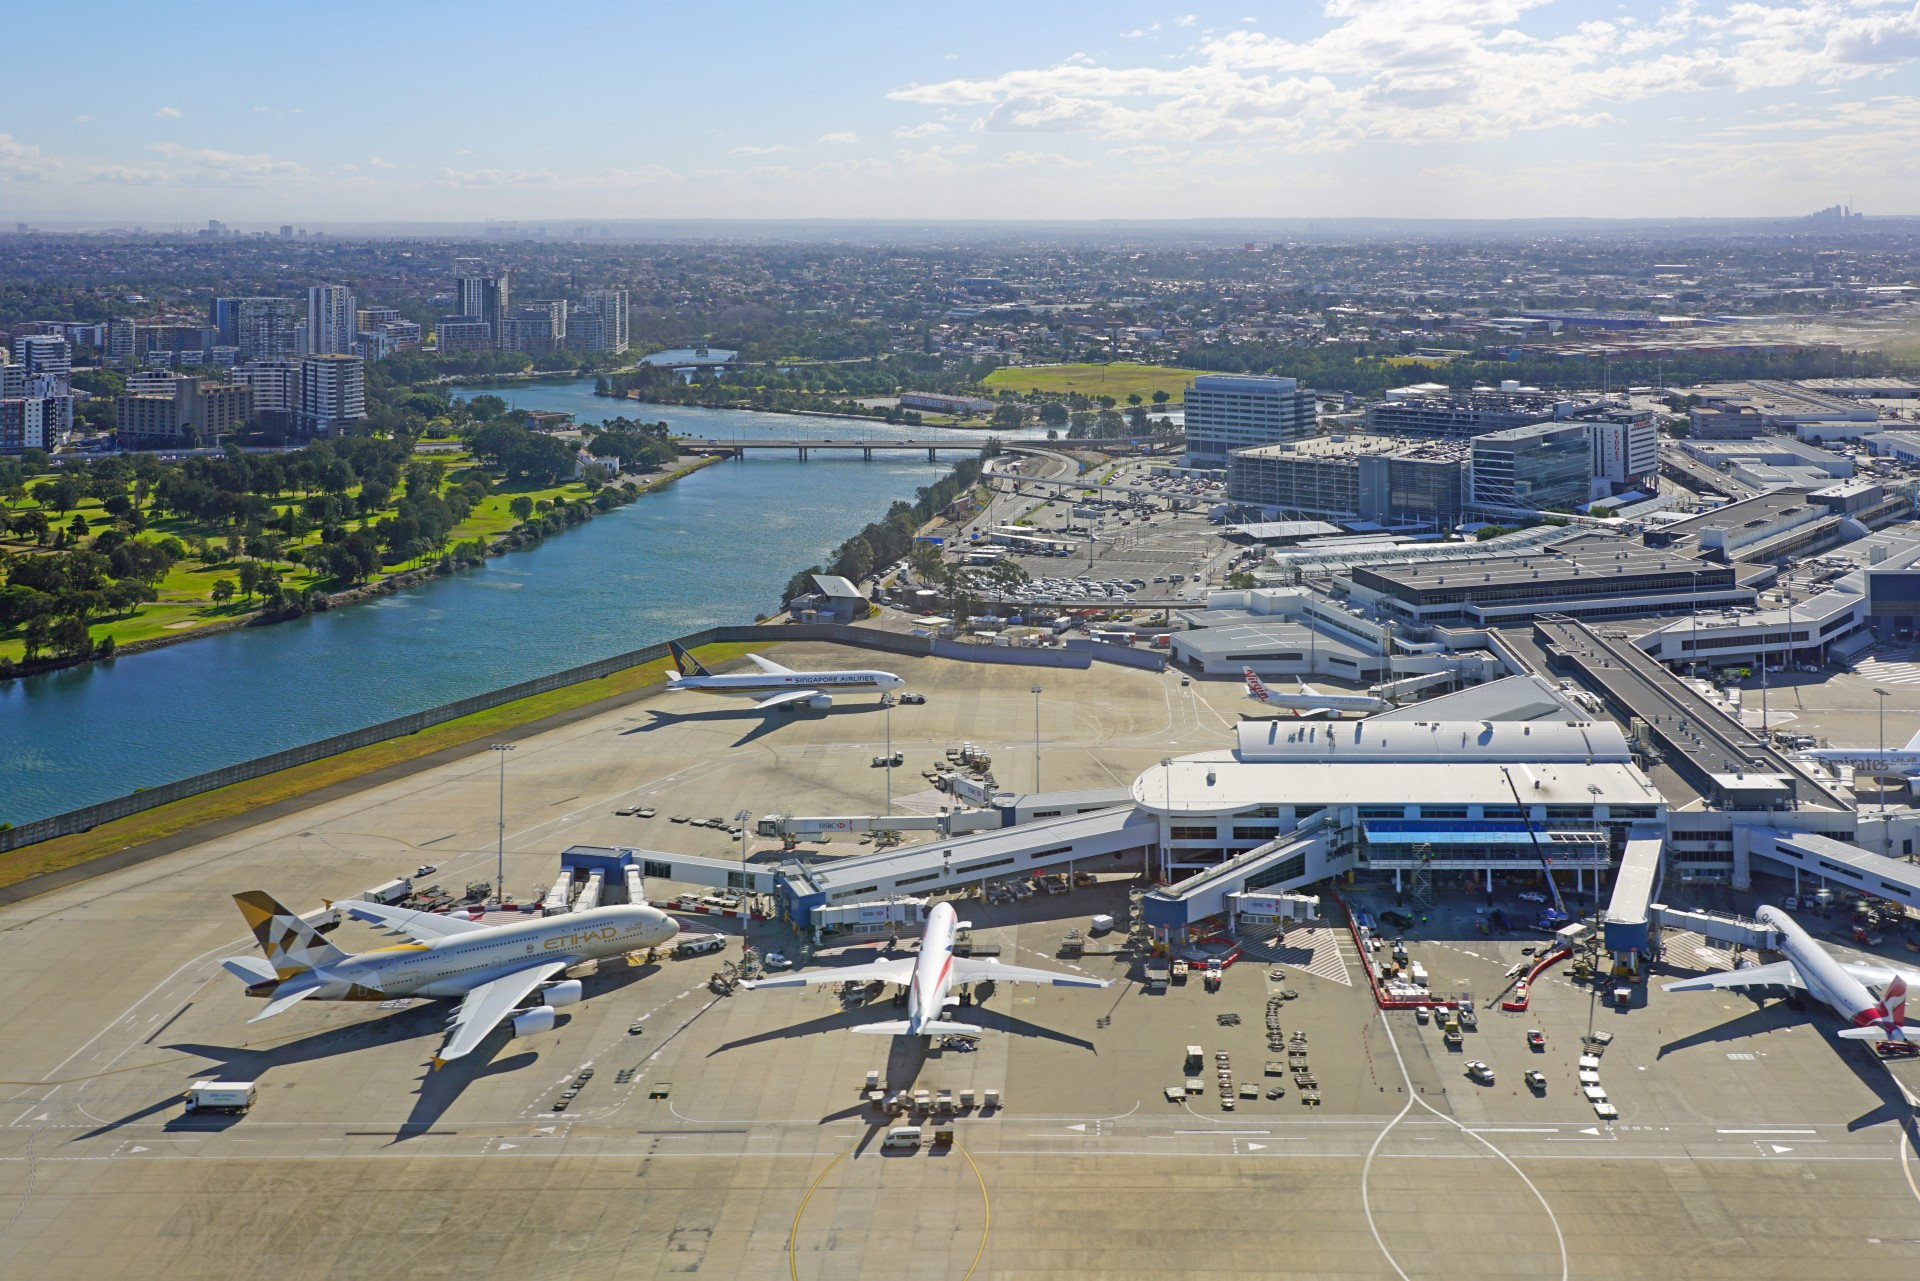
[1889, 672]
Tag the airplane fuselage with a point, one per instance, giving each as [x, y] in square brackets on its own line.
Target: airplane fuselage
[1826, 982]
[453, 965]
[1852, 760]
[931, 990]
[759, 684]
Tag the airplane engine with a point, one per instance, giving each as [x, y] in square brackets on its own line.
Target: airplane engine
[528, 1022]
[562, 994]
[820, 702]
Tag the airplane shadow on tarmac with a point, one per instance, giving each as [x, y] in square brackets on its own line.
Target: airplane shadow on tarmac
[987, 1020]
[769, 721]
[438, 1090]
[1781, 1015]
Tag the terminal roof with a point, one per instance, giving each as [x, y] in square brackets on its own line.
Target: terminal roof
[1216, 783]
[1511, 698]
[1396, 742]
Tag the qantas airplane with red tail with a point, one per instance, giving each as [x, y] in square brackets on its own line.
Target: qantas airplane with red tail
[1841, 986]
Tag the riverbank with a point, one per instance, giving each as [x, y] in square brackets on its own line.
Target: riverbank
[513, 539]
[166, 828]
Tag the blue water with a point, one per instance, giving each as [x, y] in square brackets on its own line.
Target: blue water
[716, 547]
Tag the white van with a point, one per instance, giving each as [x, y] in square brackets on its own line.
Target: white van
[902, 1136]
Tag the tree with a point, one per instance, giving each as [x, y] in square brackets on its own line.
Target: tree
[63, 493]
[251, 574]
[35, 636]
[925, 560]
[521, 507]
[69, 637]
[1161, 397]
[1053, 414]
[222, 591]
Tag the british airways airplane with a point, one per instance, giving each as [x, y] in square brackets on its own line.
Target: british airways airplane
[1841, 986]
[776, 686]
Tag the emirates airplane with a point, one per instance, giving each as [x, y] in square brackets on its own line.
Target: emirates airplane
[491, 968]
[1841, 986]
[774, 685]
[929, 979]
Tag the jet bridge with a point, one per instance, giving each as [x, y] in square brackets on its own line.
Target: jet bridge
[1715, 927]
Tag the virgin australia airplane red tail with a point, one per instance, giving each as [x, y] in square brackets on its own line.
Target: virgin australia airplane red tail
[776, 686]
[929, 979]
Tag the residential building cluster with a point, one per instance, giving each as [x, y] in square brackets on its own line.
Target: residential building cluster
[488, 319]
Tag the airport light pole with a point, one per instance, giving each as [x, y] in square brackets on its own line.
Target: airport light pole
[500, 851]
[743, 818]
[889, 757]
[1036, 738]
[1880, 780]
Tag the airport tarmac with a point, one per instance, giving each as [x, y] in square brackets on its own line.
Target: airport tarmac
[1749, 1143]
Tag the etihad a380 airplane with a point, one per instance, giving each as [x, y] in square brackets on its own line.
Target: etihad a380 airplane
[929, 979]
[491, 968]
[1895, 762]
[1309, 702]
[776, 686]
[1841, 986]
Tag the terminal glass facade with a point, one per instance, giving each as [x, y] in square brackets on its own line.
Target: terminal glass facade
[1226, 412]
[1534, 468]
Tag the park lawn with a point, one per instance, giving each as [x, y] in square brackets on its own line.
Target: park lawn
[1419, 360]
[241, 798]
[1119, 380]
[491, 516]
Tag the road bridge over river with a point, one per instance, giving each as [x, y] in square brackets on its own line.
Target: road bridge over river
[866, 447]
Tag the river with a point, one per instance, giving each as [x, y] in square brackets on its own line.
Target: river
[715, 547]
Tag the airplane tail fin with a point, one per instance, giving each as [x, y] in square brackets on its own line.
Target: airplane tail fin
[1894, 1003]
[1913, 744]
[1308, 690]
[687, 663]
[292, 946]
[1256, 688]
[933, 1027]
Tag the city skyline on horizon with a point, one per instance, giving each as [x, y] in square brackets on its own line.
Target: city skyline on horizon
[1457, 109]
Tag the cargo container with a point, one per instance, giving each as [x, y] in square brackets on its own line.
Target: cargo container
[220, 1096]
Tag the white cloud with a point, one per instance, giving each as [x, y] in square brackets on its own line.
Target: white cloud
[1039, 160]
[82, 119]
[205, 162]
[375, 162]
[761, 151]
[1186, 20]
[169, 113]
[926, 130]
[842, 137]
[494, 178]
[1443, 71]
[22, 161]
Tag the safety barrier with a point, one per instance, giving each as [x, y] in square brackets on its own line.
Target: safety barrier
[91, 816]
[1380, 998]
[1523, 990]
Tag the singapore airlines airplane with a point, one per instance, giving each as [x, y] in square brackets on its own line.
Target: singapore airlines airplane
[929, 979]
[491, 968]
[774, 685]
[1838, 985]
[1309, 703]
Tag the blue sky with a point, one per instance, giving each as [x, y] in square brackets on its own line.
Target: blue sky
[1464, 108]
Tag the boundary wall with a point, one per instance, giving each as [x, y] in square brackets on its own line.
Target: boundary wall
[90, 816]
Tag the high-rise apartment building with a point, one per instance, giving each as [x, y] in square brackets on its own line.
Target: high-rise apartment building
[267, 328]
[330, 320]
[462, 333]
[1226, 412]
[1539, 467]
[275, 385]
[123, 339]
[599, 321]
[485, 298]
[224, 313]
[333, 394]
[34, 422]
[1626, 451]
[536, 328]
[181, 411]
[44, 354]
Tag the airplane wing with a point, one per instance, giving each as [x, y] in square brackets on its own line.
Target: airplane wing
[789, 696]
[484, 1005]
[968, 970]
[1779, 974]
[421, 927]
[768, 666]
[281, 1004]
[1314, 713]
[1881, 975]
[900, 971]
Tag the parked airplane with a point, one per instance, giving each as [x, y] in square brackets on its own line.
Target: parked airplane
[1309, 702]
[492, 968]
[1900, 762]
[774, 685]
[929, 979]
[1839, 985]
